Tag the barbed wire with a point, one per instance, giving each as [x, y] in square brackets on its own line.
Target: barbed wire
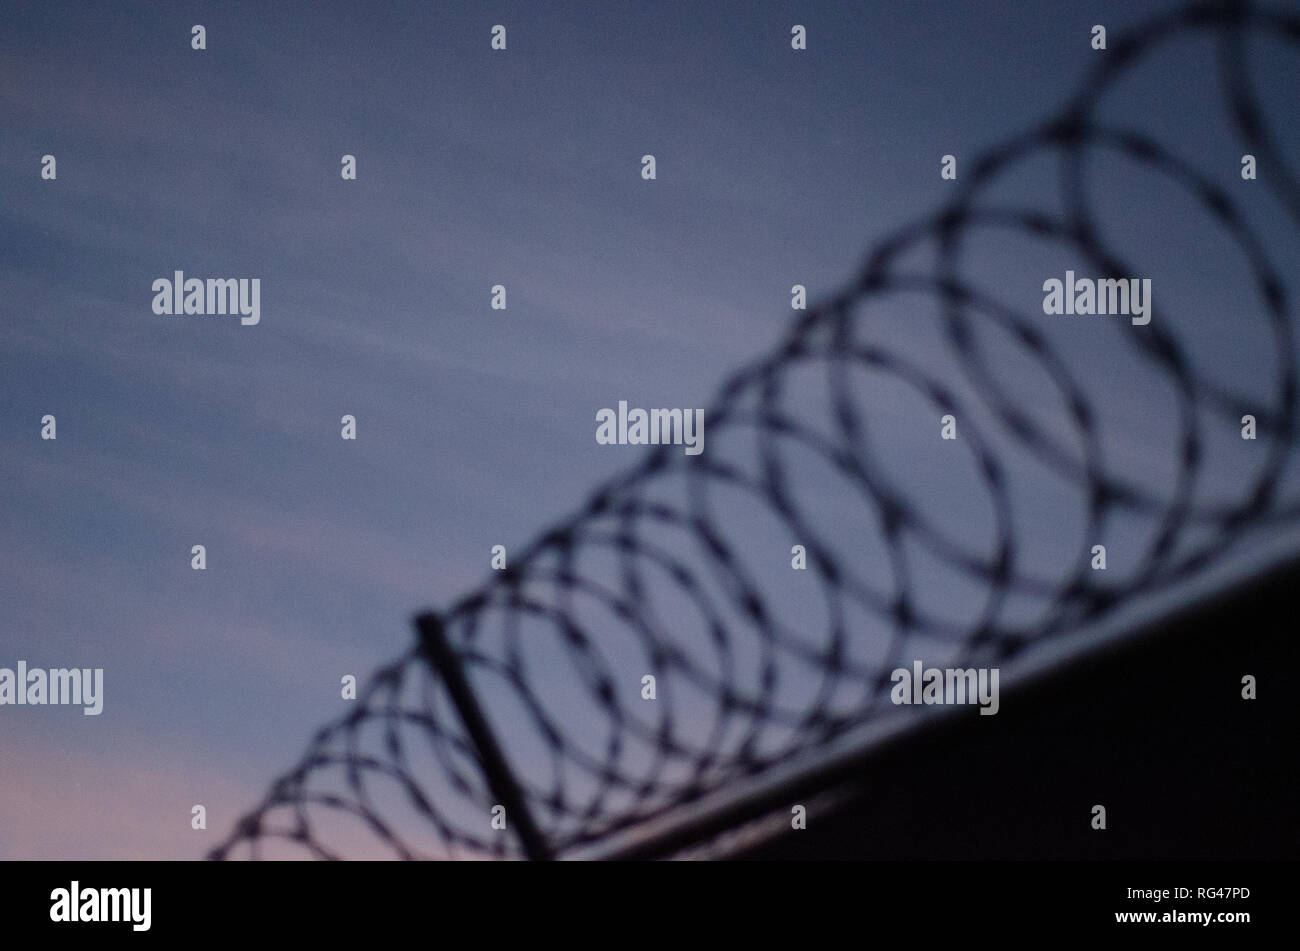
[650, 577]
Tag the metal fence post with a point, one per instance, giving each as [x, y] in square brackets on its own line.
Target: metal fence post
[433, 641]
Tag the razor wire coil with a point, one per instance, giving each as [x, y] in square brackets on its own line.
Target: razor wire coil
[402, 729]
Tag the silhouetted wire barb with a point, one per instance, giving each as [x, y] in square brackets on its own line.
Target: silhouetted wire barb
[465, 721]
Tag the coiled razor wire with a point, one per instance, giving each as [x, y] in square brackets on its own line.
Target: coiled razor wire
[649, 579]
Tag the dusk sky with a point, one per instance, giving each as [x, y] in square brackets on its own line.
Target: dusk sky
[475, 426]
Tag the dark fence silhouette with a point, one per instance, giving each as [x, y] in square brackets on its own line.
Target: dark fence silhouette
[466, 721]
